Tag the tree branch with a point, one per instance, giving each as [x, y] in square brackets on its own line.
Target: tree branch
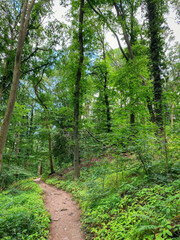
[36, 68]
[97, 140]
[112, 30]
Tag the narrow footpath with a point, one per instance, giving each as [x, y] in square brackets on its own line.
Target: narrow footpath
[65, 214]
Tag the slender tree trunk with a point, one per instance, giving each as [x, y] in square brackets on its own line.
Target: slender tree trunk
[50, 147]
[108, 115]
[121, 14]
[18, 141]
[132, 118]
[16, 75]
[77, 90]
[30, 131]
[39, 172]
[48, 127]
[149, 103]
[166, 151]
[172, 115]
[172, 110]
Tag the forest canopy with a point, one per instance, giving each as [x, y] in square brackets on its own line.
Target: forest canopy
[66, 95]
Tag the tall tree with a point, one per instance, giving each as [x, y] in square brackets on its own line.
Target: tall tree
[125, 18]
[106, 98]
[27, 8]
[77, 92]
[155, 17]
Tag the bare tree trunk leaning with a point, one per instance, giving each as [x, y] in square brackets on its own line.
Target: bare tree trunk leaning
[16, 75]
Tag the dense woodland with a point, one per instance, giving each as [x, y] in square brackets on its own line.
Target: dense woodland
[103, 122]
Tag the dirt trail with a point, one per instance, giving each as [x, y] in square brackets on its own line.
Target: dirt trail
[65, 214]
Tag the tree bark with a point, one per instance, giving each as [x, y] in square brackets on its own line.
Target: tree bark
[172, 115]
[16, 75]
[18, 141]
[77, 90]
[156, 50]
[132, 118]
[172, 110]
[50, 147]
[39, 172]
[106, 98]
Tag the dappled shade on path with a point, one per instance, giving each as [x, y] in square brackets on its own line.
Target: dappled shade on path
[65, 214]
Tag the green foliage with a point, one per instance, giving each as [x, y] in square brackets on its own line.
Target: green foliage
[12, 173]
[62, 149]
[22, 213]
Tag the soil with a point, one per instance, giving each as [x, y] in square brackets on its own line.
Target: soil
[65, 214]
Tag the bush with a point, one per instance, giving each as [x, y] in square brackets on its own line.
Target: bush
[12, 173]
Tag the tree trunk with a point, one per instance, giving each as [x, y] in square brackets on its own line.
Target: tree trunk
[16, 75]
[48, 127]
[132, 118]
[50, 147]
[121, 14]
[77, 89]
[18, 141]
[172, 115]
[156, 49]
[30, 131]
[39, 172]
[108, 116]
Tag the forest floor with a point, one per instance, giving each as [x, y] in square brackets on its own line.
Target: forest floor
[65, 214]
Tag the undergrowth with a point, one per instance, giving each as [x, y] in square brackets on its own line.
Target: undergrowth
[12, 173]
[22, 212]
[127, 204]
